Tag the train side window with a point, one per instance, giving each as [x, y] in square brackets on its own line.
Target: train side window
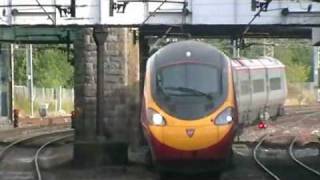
[258, 85]
[275, 83]
[244, 87]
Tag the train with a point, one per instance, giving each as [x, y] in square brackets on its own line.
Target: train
[195, 98]
[261, 88]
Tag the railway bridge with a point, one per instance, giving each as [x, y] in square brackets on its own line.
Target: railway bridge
[111, 40]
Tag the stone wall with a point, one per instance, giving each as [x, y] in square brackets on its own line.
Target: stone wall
[120, 91]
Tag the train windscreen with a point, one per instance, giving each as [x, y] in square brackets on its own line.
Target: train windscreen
[189, 91]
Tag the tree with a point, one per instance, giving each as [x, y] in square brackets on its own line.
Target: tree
[296, 55]
[50, 65]
[20, 67]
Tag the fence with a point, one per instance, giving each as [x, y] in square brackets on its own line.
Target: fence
[59, 100]
[302, 94]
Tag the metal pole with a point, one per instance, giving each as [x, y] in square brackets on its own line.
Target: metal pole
[60, 99]
[2, 84]
[316, 66]
[10, 14]
[30, 75]
[146, 10]
[11, 82]
[235, 48]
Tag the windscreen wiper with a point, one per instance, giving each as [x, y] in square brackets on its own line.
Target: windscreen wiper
[190, 90]
[160, 88]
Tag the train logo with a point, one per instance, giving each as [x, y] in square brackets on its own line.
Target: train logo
[190, 132]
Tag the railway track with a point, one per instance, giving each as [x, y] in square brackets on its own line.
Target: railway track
[300, 116]
[293, 157]
[33, 168]
[291, 169]
[11, 135]
[301, 110]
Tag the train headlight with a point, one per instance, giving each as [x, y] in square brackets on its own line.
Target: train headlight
[155, 118]
[225, 117]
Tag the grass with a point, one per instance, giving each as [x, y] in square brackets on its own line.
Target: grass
[23, 104]
[299, 95]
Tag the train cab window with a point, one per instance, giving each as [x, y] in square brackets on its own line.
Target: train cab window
[258, 85]
[275, 84]
[202, 78]
[189, 91]
[245, 87]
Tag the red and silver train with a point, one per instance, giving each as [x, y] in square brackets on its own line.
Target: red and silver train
[194, 99]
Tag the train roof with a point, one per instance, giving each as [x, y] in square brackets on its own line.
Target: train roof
[189, 50]
[262, 62]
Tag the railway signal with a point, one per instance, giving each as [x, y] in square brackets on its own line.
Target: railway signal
[262, 125]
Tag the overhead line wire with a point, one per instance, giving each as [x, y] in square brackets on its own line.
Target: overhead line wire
[45, 11]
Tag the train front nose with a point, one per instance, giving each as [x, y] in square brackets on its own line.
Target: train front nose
[190, 143]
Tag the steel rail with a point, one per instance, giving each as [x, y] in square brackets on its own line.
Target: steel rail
[2, 153]
[36, 157]
[255, 156]
[293, 157]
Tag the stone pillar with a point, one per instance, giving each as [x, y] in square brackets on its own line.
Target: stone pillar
[143, 57]
[100, 37]
[106, 95]
[138, 152]
[85, 85]
[87, 150]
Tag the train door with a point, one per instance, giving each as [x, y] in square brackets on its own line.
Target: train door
[257, 76]
[277, 86]
[243, 91]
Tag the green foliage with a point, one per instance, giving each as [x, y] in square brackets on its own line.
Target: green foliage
[297, 60]
[296, 54]
[221, 44]
[52, 69]
[252, 52]
[297, 72]
[67, 106]
[23, 103]
[20, 68]
[50, 65]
